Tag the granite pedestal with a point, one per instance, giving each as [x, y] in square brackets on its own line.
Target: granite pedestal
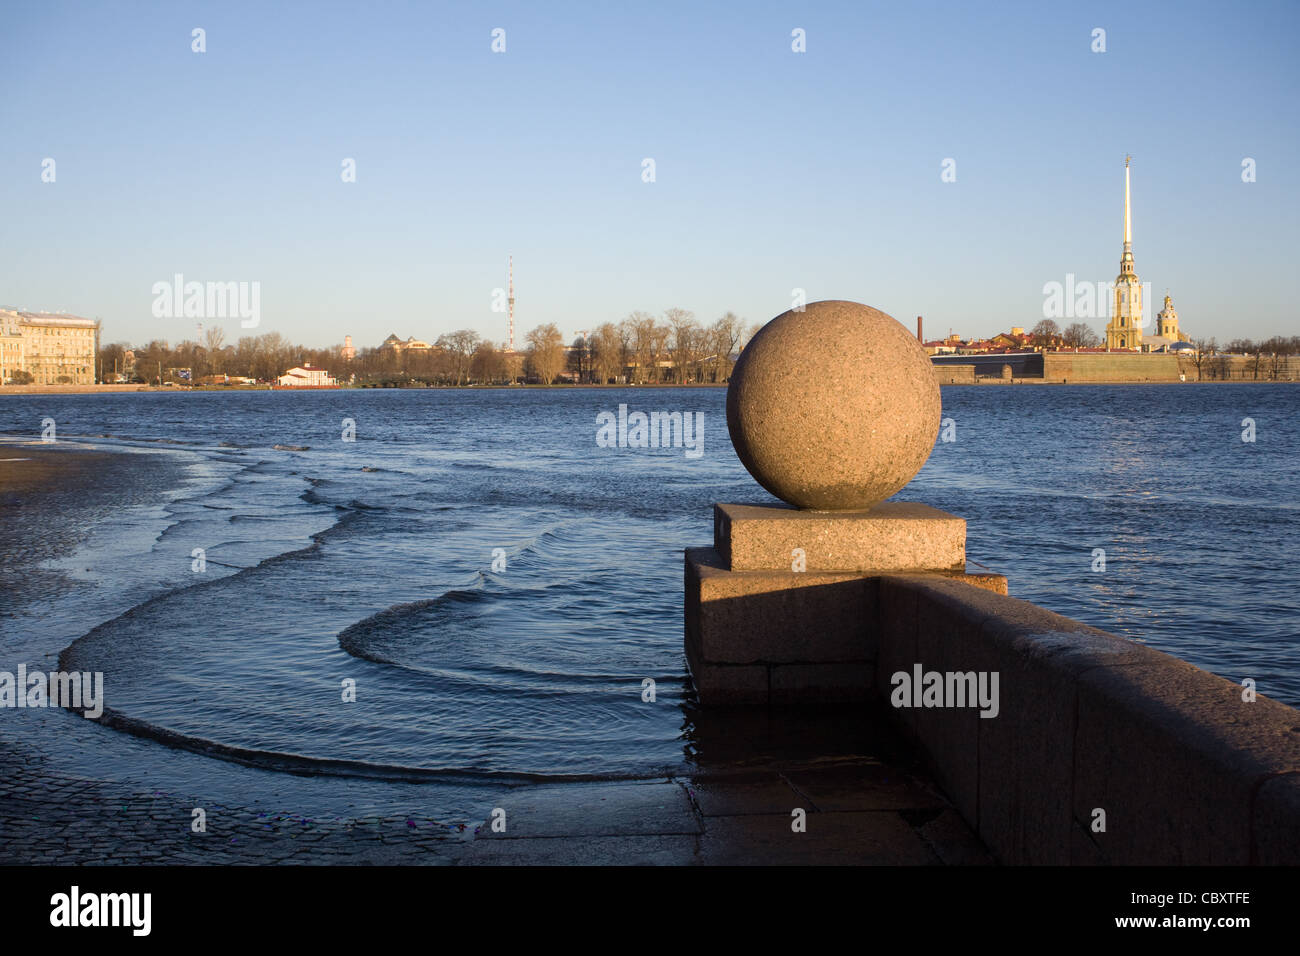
[782, 609]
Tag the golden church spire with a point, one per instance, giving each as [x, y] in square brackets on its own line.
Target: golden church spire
[1125, 328]
[1128, 228]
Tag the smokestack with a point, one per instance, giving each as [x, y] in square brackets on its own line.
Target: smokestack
[919, 337]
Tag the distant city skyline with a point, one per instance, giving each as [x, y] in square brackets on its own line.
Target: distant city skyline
[944, 161]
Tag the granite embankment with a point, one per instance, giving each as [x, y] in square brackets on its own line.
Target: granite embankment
[1103, 750]
[1090, 749]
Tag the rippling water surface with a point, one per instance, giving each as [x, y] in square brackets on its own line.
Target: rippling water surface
[373, 560]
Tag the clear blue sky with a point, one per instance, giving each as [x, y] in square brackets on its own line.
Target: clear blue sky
[775, 170]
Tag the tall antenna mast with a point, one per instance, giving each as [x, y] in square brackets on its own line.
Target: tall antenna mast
[512, 304]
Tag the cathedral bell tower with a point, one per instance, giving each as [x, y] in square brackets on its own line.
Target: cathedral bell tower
[1167, 321]
[1125, 328]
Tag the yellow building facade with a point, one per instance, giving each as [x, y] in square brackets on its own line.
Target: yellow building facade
[55, 349]
[11, 346]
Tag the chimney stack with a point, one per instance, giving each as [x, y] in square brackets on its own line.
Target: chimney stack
[919, 337]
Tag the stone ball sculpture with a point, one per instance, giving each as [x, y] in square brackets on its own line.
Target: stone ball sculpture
[833, 408]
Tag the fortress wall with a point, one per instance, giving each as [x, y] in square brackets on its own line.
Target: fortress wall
[1109, 367]
[1242, 368]
[955, 374]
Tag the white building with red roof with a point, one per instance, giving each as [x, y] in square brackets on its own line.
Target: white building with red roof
[306, 376]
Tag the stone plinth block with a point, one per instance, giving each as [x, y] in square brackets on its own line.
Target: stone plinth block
[775, 617]
[892, 536]
[744, 626]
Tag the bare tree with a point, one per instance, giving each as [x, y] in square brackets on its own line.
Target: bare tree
[459, 347]
[579, 358]
[659, 336]
[1079, 335]
[641, 333]
[724, 339]
[272, 355]
[487, 365]
[682, 329]
[1257, 359]
[1278, 348]
[514, 366]
[213, 338]
[627, 343]
[607, 356]
[112, 361]
[1046, 333]
[1204, 350]
[546, 352]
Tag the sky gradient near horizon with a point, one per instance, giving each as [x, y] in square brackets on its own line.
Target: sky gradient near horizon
[775, 170]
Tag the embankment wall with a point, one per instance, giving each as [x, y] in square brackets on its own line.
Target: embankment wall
[1183, 768]
[955, 374]
[1241, 368]
[1109, 367]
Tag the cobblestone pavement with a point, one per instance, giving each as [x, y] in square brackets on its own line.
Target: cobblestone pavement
[52, 821]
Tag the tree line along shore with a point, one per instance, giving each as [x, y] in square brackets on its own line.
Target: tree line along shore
[974, 380]
[639, 350]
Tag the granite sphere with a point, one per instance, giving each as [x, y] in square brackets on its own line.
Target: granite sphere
[833, 408]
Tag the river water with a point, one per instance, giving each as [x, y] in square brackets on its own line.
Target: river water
[496, 587]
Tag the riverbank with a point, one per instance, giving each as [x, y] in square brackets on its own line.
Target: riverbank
[33, 466]
[51, 494]
[233, 389]
[1040, 381]
[7, 390]
[78, 792]
[77, 389]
